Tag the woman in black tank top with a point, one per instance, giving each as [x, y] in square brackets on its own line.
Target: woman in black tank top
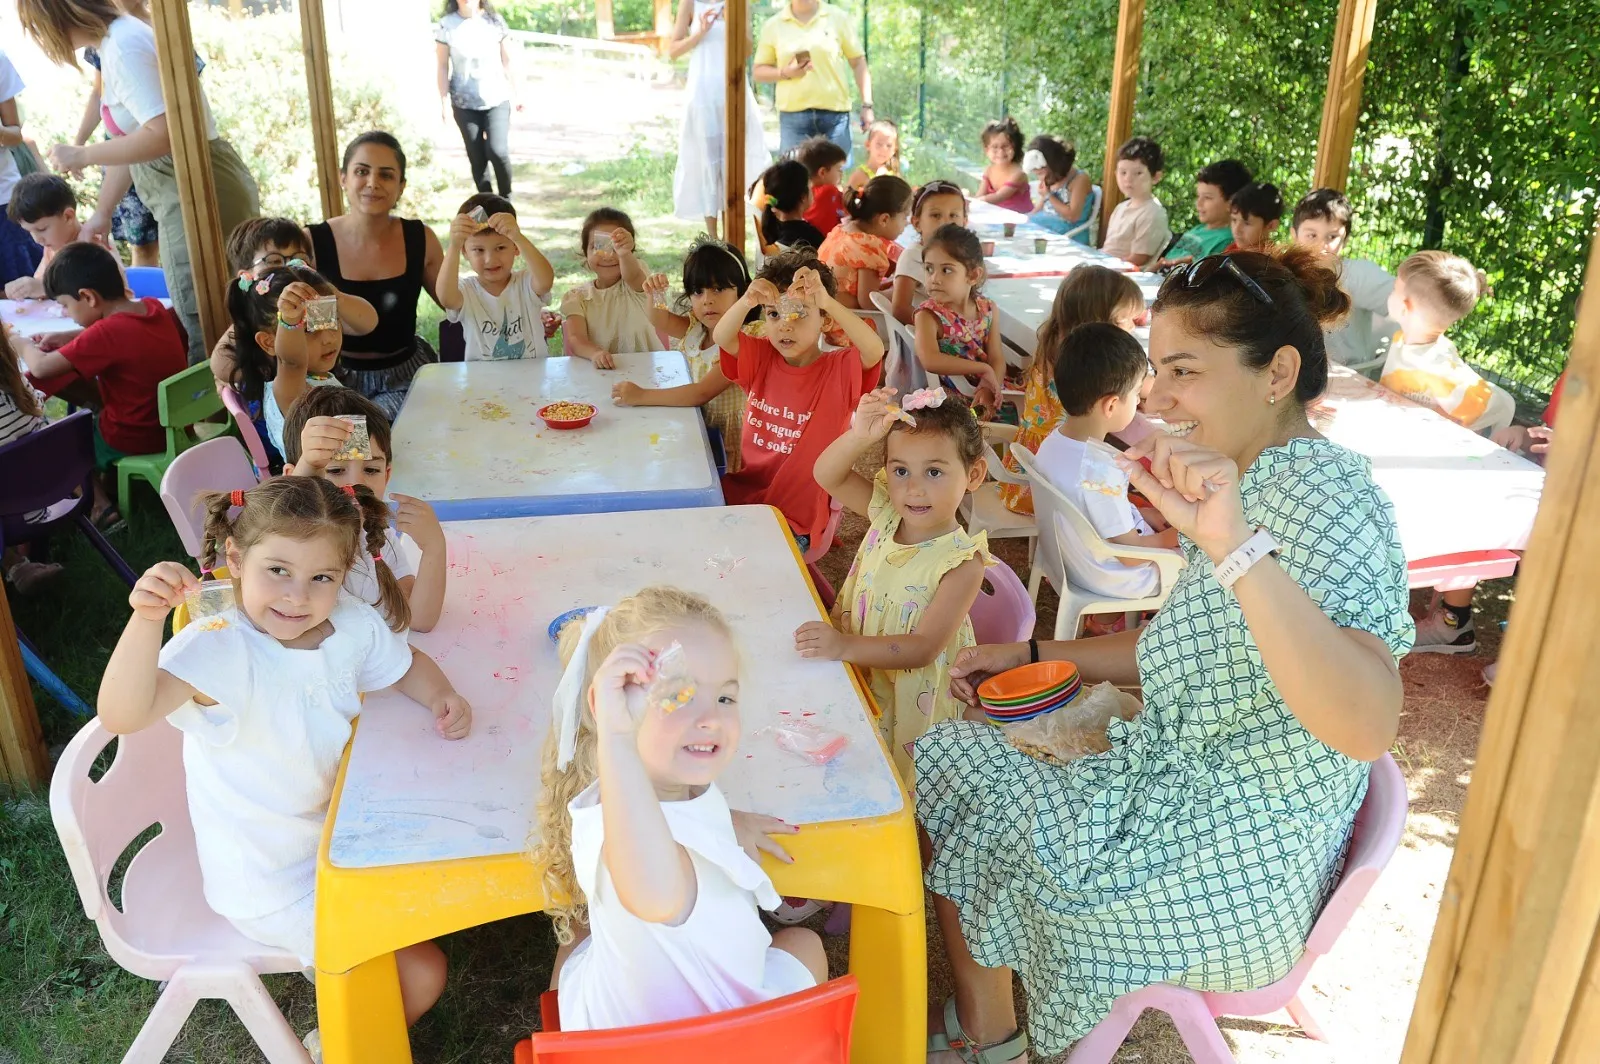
[394, 260]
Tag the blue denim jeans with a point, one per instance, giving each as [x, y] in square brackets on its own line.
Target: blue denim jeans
[796, 126]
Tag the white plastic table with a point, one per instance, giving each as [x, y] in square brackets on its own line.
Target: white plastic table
[1024, 305]
[1018, 257]
[991, 214]
[469, 442]
[36, 317]
[429, 836]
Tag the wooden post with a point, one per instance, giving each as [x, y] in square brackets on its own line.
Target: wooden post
[737, 18]
[191, 157]
[1341, 106]
[319, 93]
[1512, 969]
[22, 757]
[605, 26]
[1124, 88]
[663, 25]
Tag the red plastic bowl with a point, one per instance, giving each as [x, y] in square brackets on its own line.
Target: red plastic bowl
[569, 423]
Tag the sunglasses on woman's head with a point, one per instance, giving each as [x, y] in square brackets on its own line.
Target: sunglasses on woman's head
[1196, 274]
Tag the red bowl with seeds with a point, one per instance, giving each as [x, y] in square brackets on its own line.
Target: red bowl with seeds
[566, 414]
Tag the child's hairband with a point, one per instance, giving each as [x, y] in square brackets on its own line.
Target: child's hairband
[772, 201]
[569, 692]
[348, 489]
[236, 497]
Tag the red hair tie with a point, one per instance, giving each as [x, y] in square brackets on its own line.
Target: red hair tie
[236, 497]
[349, 489]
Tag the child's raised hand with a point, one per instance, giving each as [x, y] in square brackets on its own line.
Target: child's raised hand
[416, 519]
[320, 440]
[807, 285]
[161, 590]
[551, 321]
[819, 639]
[292, 302]
[626, 393]
[875, 415]
[505, 223]
[452, 715]
[657, 282]
[762, 292]
[622, 240]
[618, 690]
[461, 227]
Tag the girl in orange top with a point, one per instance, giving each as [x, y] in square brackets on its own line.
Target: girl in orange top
[1088, 293]
[862, 251]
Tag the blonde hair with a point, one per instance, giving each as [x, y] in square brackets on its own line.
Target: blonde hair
[1087, 294]
[1447, 284]
[303, 508]
[51, 22]
[652, 610]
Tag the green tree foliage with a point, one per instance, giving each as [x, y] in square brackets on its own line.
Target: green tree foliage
[1479, 131]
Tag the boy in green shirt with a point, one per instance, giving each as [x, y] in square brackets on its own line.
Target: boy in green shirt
[1214, 186]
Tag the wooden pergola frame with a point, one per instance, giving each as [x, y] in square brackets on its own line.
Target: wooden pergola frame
[1513, 972]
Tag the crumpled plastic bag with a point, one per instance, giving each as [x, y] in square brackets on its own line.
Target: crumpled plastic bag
[1076, 729]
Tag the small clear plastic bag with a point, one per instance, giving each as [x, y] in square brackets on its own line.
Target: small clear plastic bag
[358, 445]
[479, 215]
[209, 601]
[602, 242]
[1101, 476]
[674, 686]
[322, 314]
[792, 309]
[658, 298]
[813, 742]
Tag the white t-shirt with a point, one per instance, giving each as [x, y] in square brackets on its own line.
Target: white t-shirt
[260, 764]
[132, 78]
[503, 326]
[1364, 335]
[1087, 474]
[362, 579]
[630, 972]
[1137, 229]
[477, 73]
[10, 87]
[1436, 375]
[910, 265]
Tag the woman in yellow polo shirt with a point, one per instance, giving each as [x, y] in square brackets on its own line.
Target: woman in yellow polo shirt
[809, 49]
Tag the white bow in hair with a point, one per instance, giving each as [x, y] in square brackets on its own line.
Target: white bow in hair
[567, 702]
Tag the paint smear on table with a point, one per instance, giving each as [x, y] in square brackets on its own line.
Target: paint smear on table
[655, 438]
[489, 410]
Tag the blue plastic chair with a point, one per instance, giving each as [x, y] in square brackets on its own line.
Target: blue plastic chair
[148, 282]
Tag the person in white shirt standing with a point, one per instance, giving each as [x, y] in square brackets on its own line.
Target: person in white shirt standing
[500, 307]
[19, 254]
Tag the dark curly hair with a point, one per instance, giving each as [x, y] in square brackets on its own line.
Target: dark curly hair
[953, 418]
[780, 269]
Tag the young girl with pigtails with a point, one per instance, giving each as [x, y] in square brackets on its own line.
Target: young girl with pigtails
[264, 693]
[654, 881]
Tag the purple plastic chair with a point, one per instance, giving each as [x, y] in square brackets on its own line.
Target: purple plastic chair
[1006, 614]
[52, 470]
[247, 430]
[216, 465]
[1378, 827]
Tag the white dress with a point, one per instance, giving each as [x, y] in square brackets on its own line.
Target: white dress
[698, 190]
[630, 972]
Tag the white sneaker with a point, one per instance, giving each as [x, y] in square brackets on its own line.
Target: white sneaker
[1437, 633]
[789, 914]
[1489, 672]
[313, 1043]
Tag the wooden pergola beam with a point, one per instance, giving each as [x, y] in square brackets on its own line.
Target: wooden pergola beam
[191, 157]
[319, 94]
[1341, 105]
[1124, 89]
[1513, 972]
[736, 18]
[605, 23]
[23, 762]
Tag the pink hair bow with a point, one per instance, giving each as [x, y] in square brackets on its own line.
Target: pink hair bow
[923, 399]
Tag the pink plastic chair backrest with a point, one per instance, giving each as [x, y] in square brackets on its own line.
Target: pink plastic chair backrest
[1380, 823]
[823, 543]
[216, 465]
[96, 822]
[1005, 615]
[247, 430]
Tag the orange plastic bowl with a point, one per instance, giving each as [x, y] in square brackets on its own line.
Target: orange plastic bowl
[566, 423]
[1028, 680]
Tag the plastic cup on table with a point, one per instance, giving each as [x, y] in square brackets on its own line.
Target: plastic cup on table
[1040, 245]
[1009, 229]
[988, 248]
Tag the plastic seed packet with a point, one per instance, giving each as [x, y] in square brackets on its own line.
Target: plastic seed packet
[816, 744]
[658, 298]
[792, 309]
[674, 686]
[603, 242]
[479, 215]
[211, 599]
[322, 314]
[358, 446]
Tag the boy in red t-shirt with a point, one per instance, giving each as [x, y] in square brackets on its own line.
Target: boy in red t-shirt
[128, 346]
[801, 397]
[824, 161]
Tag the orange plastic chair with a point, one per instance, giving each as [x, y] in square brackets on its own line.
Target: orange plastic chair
[811, 1027]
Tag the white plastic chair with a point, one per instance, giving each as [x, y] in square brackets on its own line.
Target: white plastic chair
[216, 465]
[983, 510]
[901, 370]
[164, 929]
[1073, 536]
[1090, 225]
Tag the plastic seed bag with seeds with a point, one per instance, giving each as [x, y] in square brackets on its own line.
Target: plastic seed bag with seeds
[208, 602]
[358, 445]
[479, 215]
[322, 314]
[1101, 475]
[791, 308]
[674, 686]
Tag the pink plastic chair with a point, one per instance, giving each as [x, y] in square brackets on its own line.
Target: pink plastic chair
[1378, 827]
[822, 543]
[216, 465]
[1006, 614]
[164, 929]
[247, 431]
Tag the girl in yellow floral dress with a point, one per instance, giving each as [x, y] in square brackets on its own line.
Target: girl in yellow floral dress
[902, 612]
[1088, 293]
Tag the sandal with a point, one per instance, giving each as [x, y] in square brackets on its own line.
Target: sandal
[107, 521]
[1011, 1050]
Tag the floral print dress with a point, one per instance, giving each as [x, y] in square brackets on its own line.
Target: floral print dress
[966, 338]
[1040, 414]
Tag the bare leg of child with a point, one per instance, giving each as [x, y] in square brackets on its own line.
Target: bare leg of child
[422, 974]
[147, 254]
[711, 226]
[805, 945]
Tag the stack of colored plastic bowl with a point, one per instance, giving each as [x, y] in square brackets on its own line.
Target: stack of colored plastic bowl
[1029, 692]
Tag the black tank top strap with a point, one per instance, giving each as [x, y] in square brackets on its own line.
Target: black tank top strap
[326, 250]
[416, 235]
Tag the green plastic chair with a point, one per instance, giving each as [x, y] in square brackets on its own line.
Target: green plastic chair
[184, 400]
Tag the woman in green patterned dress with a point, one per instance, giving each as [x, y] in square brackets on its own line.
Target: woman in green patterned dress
[1200, 848]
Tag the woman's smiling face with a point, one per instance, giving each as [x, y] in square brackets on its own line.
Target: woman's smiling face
[1206, 394]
